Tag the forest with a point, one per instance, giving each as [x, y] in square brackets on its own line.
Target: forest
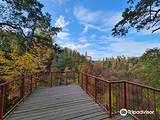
[28, 45]
[18, 59]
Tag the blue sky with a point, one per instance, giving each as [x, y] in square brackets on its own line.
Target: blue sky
[87, 27]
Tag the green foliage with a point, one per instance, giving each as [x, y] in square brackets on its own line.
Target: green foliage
[62, 62]
[25, 19]
[134, 60]
[71, 60]
[151, 63]
[26, 41]
[141, 14]
[108, 64]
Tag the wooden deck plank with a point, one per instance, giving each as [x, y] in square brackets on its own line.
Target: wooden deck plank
[100, 117]
[54, 111]
[91, 115]
[59, 103]
[41, 106]
[68, 115]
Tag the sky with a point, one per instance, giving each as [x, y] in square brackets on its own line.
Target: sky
[87, 24]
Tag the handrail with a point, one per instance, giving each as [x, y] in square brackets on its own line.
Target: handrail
[136, 84]
[111, 95]
[122, 81]
[2, 84]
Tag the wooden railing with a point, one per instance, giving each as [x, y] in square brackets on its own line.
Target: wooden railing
[112, 96]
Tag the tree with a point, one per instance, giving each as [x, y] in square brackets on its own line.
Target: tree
[98, 68]
[151, 65]
[57, 49]
[4, 41]
[26, 41]
[134, 60]
[60, 63]
[20, 65]
[25, 14]
[114, 65]
[63, 62]
[86, 69]
[144, 14]
[108, 64]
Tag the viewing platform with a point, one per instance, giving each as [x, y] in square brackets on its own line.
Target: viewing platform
[77, 96]
[60, 103]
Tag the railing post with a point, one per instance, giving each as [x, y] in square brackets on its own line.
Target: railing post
[2, 101]
[82, 80]
[51, 79]
[36, 81]
[66, 78]
[31, 84]
[95, 90]
[78, 77]
[125, 95]
[86, 82]
[22, 88]
[110, 100]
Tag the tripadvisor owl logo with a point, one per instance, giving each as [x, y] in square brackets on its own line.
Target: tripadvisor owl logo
[123, 112]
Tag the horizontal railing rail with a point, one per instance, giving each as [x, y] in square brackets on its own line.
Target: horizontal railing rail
[111, 95]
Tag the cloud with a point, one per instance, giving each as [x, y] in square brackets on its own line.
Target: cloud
[112, 18]
[60, 22]
[87, 26]
[85, 29]
[87, 39]
[98, 55]
[60, 1]
[143, 32]
[68, 10]
[76, 47]
[6, 28]
[110, 38]
[86, 15]
[108, 46]
[133, 47]
[28, 30]
[82, 39]
[127, 46]
[93, 36]
[100, 20]
[63, 35]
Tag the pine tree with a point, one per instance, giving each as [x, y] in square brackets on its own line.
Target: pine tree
[141, 14]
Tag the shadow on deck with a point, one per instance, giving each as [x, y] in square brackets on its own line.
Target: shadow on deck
[61, 103]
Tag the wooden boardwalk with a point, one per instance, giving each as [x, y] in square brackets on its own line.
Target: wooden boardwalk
[60, 103]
